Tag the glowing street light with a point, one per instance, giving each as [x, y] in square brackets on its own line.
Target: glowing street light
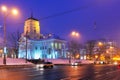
[75, 34]
[6, 13]
[15, 11]
[100, 43]
[4, 8]
[111, 47]
[96, 56]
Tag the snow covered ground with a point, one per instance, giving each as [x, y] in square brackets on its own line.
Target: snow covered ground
[11, 61]
[66, 61]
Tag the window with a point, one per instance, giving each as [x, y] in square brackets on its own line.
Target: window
[55, 45]
[45, 47]
[63, 45]
[36, 47]
[52, 45]
[59, 45]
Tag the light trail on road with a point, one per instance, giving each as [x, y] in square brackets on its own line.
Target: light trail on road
[85, 72]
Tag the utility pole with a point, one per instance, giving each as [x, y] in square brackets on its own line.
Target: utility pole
[5, 46]
[26, 46]
[6, 14]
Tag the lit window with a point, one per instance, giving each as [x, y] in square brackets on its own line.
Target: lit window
[55, 45]
[52, 45]
[59, 45]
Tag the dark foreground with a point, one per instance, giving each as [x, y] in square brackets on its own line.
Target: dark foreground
[85, 72]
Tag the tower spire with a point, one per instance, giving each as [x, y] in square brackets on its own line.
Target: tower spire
[31, 14]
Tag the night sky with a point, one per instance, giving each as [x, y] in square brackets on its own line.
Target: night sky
[93, 19]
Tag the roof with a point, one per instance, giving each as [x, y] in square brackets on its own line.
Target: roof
[47, 38]
[31, 17]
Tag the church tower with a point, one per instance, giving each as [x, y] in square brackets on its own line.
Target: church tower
[32, 28]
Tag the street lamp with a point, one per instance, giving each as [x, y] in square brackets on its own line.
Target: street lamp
[26, 45]
[73, 34]
[100, 44]
[4, 8]
[14, 11]
[6, 13]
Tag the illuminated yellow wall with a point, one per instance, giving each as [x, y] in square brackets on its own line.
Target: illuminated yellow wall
[32, 26]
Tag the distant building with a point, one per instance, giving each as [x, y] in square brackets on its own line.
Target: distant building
[83, 54]
[100, 47]
[39, 46]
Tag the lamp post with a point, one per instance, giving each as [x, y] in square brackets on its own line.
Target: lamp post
[6, 13]
[4, 58]
[26, 45]
[73, 34]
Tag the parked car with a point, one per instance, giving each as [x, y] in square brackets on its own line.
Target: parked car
[45, 65]
[76, 63]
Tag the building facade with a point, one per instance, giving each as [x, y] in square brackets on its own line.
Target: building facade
[34, 45]
[101, 49]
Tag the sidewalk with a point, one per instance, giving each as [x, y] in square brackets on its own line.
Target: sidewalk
[14, 63]
[66, 61]
[15, 66]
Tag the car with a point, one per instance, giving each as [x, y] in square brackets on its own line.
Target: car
[76, 63]
[45, 65]
[99, 62]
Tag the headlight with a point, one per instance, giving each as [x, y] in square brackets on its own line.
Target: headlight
[39, 65]
[101, 62]
[76, 63]
[72, 63]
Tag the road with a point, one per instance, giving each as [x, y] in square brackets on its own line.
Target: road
[85, 72]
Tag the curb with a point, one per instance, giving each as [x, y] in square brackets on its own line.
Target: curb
[15, 66]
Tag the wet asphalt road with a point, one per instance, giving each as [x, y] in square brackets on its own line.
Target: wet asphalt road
[85, 72]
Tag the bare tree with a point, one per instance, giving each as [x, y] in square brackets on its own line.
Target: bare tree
[13, 41]
[74, 47]
[90, 47]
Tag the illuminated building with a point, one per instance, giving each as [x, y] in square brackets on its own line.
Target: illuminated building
[40, 46]
[106, 48]
[32, 28]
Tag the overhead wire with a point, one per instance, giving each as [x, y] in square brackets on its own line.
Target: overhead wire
[58, 14]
